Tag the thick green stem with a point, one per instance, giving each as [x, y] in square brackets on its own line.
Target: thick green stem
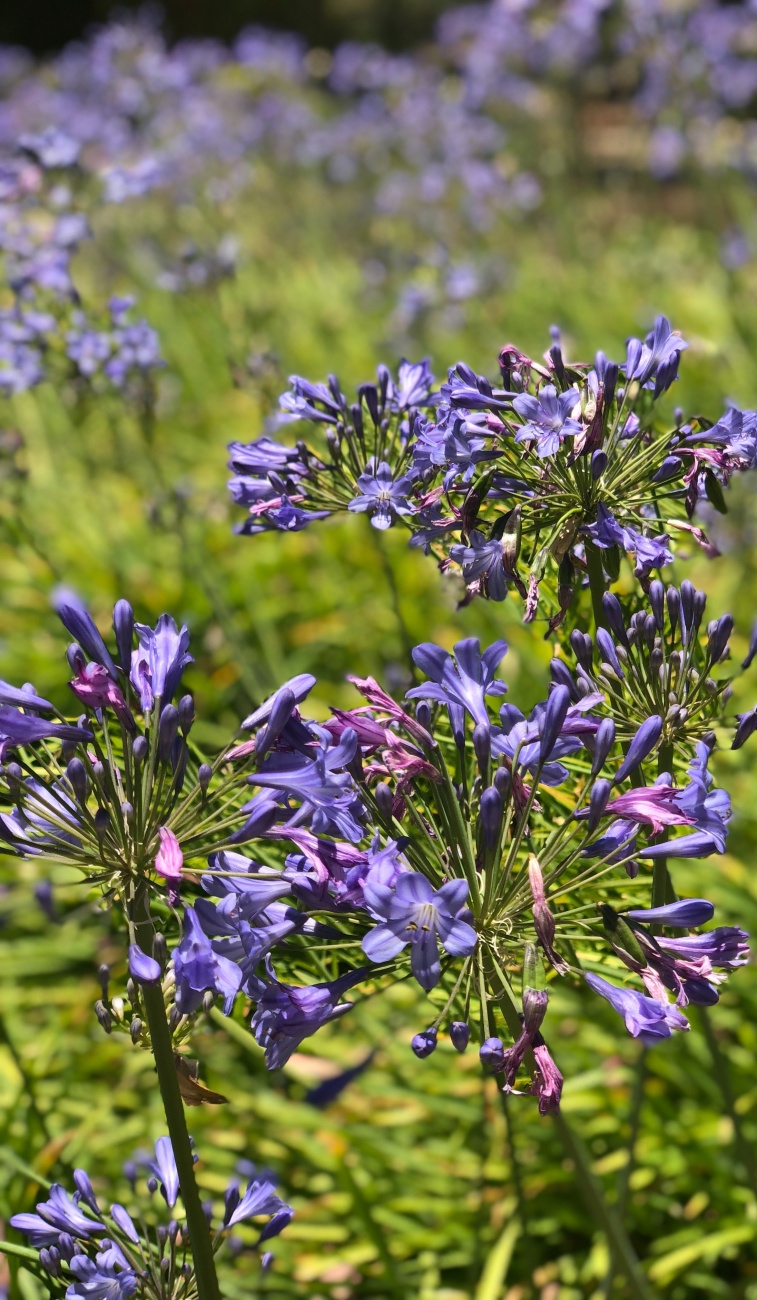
[604, 1214]
[163, 1054]
[597, 583]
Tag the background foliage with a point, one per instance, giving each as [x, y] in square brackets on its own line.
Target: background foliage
[418, 1181]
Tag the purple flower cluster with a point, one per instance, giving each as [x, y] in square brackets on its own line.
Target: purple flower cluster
[103, 1253]
[561, 467]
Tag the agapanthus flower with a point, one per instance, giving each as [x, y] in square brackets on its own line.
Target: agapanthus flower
[381, 495]
[548, 418]
[645, 1018]
[413, 913]
[579, 450]
[105, 1256]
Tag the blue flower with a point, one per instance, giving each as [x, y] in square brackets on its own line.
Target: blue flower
[657, 358]
[258, 1198]
[414, 384]
[280, 516]
[483, 560]
[164, 1171]
[414, 913]
[199, 969]
[644, 1017]
[461, 683]
[327, 795]
[286, 1015]
[650, 552]
[383, 496]
[96, 1280]
[547, 418]
[157, 665]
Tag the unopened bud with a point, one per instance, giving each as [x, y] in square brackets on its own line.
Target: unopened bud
[490, 813]
[503, 781]
[204, 774]
[77, 775]
[102, 821]
[131, 991]
[657, 603]
[139, 749]
[603, 743]
[117, 1007]
[384, 800]
[160, 949]
[597, 803]
[123, 627]
[459, 1033]
[168, 729]
[655, 660]
[76, 660]
[208, 1001]
[482, 745]
[598, 464]
[423, 714]
[186, 714]
[14, 775]
[673, 600]
[174, 1018]
[103, 975]
[98, 772]
[135, 1029]
[424, 1044]
[104, 1016]
[127, 811]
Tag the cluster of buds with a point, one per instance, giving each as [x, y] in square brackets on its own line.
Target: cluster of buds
[656, 664]
[560, 467]
[113, 1254]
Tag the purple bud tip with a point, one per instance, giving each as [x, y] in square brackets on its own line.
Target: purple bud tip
[553, 719]
[490, 813]
[641, 746]
[686, 914]
[142, 968]
[459, 1033]
[492, 1055]
[424, 1043]
[603, 743]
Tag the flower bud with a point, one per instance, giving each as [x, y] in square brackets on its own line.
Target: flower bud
[135, 1029]
[608, 651]
[490, 814]
[168, 729]
[700, 601]
[103, 975]
[718, 639]
[603, 743]
[597, 803]
[424, 1044]
[104, 1016]
[186, 714]
[673, 600]
[598, 463]
[139, 749]
[384, 799]
[552, 720]
[657, 603]
[76, 660]
[535, 1002]
[562, 676]
[482, 745]
[160, 949]
[123, 627]
[423, 714]
[459, 1033]
[77, 775]
[582, 645]
[204, 774]
[102, 822]
[655, 660]
[174, 1018]
[14, 775]
[492, 1055]
[127, 811]
[614, 617]
[208, 1001]
[143, 968]
[641, 746]
[752, 651]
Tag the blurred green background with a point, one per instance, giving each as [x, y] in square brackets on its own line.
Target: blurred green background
[416, 1182]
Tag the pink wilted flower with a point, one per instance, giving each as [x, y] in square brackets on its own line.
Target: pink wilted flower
[169, 859]
[95, 688]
